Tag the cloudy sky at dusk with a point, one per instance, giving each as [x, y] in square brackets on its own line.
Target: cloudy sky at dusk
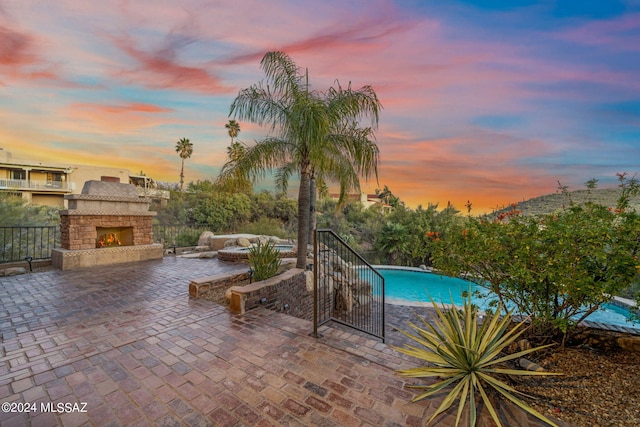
[487, 101]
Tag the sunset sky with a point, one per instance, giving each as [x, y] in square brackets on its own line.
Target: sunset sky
[488, 101]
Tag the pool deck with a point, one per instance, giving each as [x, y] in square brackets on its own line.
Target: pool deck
[129, 343]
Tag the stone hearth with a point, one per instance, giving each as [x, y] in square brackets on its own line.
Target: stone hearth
[107, 224]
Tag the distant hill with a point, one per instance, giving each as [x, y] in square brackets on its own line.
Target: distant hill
[553, 202]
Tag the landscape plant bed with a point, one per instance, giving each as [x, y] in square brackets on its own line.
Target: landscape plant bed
[599, 387]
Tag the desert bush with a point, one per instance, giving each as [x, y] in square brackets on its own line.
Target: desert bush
[266, 227]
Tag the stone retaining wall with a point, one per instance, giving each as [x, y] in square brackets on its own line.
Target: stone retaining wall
[607, 340]
[202, 285]
[286, 293]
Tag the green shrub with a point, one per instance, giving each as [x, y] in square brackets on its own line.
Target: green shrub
[266, 227]
[467, 359]
[265, 261]
[556, 268]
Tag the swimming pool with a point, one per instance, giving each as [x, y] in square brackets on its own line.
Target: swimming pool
[412, 286]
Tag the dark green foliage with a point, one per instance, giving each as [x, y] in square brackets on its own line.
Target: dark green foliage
[15, 212]
[356, 225]
[205, 203]
[265, 260]
[267, 227]
[223, 212]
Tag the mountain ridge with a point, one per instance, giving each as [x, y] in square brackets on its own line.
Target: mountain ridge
[553, 202]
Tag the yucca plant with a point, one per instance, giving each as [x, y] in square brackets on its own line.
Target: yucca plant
[265, 260]
[468, 358]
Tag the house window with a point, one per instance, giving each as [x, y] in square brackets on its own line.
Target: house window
[109, 179]
[54, 177]
[18, 174]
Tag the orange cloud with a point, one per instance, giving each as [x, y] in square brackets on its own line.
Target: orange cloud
[486, 169]
[104, 118]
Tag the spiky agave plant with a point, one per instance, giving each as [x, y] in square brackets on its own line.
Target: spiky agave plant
[467, 358]
[265, 260]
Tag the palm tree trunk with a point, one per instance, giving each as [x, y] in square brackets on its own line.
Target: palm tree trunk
[303, 218]
[312, 207]
[182, 175]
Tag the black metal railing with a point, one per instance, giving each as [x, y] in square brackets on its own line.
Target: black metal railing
[179, 235]
[19, 243]
[347, 289]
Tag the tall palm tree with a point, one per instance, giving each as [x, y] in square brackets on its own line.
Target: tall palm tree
[310, 133]
[184, 148]
[233, 127]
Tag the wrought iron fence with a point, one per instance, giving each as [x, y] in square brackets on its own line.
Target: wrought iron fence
[19, 243]
[347, 289]
[178, 235]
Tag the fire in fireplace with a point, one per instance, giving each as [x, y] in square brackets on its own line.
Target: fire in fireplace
[114, 236]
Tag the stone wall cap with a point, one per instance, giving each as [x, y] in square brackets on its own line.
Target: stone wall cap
[106, 188]
[98, 197]
[73, 212]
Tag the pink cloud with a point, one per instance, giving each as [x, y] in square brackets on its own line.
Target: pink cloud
[106, 118]
[20, 59]
[619, 34]
[160, 68]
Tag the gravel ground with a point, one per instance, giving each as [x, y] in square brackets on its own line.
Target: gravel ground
[597, 389]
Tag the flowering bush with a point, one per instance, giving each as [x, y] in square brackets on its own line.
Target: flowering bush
[557, 268]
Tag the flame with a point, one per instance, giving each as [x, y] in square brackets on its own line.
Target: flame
[109, 239]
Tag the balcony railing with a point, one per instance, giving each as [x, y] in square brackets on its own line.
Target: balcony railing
[27, 184]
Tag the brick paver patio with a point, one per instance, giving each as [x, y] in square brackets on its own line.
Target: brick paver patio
[125, 346]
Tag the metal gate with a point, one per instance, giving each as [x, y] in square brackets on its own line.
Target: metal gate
[347, 289]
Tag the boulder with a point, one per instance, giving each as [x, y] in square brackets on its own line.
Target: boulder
[629, 343]
[244, 242]
[529, 365]
[231, 242]
[203, 240]
[208, 255]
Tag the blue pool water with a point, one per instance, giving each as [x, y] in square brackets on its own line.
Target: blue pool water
[418, 286]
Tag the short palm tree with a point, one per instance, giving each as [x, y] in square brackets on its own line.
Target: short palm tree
[310, 132]
[184, 148]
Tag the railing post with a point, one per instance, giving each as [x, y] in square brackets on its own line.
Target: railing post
[315, 283]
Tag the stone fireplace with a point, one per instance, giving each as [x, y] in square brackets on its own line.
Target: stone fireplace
[108, 223]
